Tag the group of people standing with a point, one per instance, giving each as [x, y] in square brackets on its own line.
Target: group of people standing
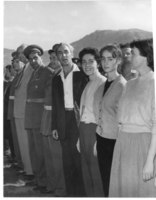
[81, 132]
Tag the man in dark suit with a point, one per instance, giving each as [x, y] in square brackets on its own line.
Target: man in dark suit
[33, 112]
[66, 92]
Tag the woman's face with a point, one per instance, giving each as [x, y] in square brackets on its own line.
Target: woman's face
[89, 64]
[137, 60]
[109, 64]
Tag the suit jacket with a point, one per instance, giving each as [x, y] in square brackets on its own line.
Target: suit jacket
[58, 109]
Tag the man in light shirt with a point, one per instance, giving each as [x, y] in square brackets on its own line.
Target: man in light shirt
[66, 92]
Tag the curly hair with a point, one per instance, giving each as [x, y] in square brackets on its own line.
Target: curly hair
[92, 51]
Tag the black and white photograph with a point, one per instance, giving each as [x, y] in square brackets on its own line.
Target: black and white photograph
[78, 108]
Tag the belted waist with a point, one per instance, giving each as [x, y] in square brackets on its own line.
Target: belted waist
[133, 128]
[69, 109]
[40, 100]
[12, 97]
[47, 107]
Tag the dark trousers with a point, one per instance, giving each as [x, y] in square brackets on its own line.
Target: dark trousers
[15, 143]
[8, 136]
[37, 156]
[71, 158]
[90, 166]
[105, 149]
[54, 167]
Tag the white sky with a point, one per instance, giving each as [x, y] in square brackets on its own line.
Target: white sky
[49, 22]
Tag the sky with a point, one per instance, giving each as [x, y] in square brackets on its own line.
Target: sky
[48, 22]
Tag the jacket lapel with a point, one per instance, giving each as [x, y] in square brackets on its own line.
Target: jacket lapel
[60, 90]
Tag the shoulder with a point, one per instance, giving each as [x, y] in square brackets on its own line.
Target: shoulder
[122, 80]
[102, 78]
[46, 72]
[80, 76]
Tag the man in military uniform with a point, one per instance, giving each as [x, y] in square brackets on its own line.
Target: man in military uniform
[19, 111]
[18, 66]
[34, 110]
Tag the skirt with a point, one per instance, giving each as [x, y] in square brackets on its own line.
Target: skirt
[129, 157]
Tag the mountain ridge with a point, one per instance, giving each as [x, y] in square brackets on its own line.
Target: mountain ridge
[97, 39]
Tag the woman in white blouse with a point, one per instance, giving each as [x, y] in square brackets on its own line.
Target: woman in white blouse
[89, 58]
[134, 160]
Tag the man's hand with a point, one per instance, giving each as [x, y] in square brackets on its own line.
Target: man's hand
[55, 134]
[78, 145]
[95, 149]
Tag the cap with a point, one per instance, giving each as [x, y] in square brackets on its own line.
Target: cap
[54, 48]
[32, 48]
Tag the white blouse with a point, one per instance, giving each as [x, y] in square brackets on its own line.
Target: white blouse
[86, 105]
[137, 106]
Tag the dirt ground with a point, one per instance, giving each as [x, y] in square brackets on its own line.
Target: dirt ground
[12, 176]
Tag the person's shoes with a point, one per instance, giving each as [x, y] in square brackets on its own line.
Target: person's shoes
[30, 183]
[28, 177]
[19, 183]
[39, 188]
[60, 195]
[7, 165]
[46, 191]
[21, 172]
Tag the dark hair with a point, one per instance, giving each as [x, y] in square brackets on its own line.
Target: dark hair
[8, 67]
[114, 49]
[145, 48]
[125, 45]
[92, 51]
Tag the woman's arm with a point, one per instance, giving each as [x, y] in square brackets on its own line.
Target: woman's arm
[148, 170]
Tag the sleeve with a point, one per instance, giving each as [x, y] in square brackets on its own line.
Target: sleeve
[54, 111]
[153, 112]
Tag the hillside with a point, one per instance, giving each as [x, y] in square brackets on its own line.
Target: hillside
[96, 39]
[99, 39]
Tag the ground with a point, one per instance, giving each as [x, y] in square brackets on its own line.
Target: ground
[12, 176]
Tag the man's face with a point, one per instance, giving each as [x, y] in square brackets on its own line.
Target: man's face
[54, 62]
[22, 57]
[35, 60]
[127, 54]
[17, 65]
[64, 55]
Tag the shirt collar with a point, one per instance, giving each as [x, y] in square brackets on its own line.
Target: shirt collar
[75, 68]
